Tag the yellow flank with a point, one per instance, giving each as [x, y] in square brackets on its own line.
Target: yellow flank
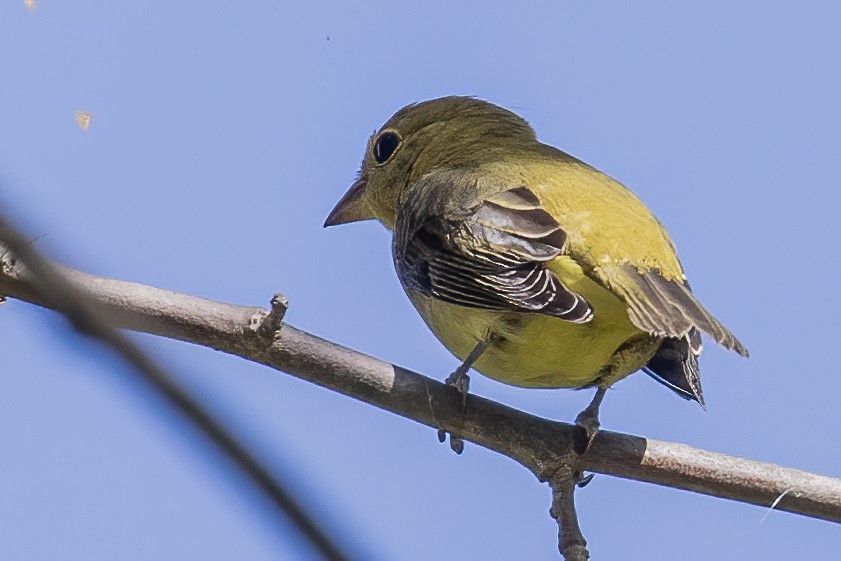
[537, 351]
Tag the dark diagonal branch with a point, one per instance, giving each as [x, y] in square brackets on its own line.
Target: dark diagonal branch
[50, 287]
[543, 446]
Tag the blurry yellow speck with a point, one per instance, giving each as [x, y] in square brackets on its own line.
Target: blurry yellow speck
[29, 5]
[83, 119]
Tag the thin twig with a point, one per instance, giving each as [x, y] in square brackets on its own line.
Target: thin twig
[77, 305]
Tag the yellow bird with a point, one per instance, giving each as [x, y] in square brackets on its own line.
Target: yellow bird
[530, 266]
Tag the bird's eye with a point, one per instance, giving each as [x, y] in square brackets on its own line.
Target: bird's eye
[385, 145]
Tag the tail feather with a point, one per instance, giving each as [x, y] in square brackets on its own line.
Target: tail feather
[675, 365]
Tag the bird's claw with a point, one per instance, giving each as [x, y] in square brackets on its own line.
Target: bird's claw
[582, 480]
[456, 443]
[461, 382]
[588, 422]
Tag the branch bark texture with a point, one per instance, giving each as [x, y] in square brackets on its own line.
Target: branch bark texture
[544, 447]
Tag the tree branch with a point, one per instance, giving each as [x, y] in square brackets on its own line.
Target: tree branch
[544, 447]
[571, 542]
[92, 319]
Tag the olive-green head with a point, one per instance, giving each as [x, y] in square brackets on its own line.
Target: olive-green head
[450, 132]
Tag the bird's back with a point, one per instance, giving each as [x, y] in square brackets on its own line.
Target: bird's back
[606, 224]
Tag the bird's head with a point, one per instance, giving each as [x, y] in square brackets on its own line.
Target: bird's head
[449, 132]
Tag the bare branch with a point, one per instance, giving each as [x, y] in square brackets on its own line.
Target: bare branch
[87, 316]
[541, 445]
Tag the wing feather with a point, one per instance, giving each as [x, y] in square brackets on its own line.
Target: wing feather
[664, 307]
[492, 258]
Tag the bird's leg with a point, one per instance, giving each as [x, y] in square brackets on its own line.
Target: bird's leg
[461, 382]
[459, 378]
[588, 419]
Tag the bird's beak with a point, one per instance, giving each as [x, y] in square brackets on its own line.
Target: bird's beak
[352, 207]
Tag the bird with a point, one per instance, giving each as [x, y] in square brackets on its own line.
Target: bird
[530, 266]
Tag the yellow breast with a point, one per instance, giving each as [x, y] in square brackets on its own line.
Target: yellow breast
[532, 350]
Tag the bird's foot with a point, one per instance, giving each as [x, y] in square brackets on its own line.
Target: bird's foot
[456, 444]
[582, 480]
[461, 382]
[588, 423]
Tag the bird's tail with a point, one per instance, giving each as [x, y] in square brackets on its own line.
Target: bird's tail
[675, 365]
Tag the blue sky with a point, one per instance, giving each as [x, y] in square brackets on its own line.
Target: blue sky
[222, 135]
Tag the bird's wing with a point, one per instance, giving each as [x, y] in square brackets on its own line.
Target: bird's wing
[663, 307]
[489, 256]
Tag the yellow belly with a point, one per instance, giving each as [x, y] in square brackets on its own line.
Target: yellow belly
[538, 351]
